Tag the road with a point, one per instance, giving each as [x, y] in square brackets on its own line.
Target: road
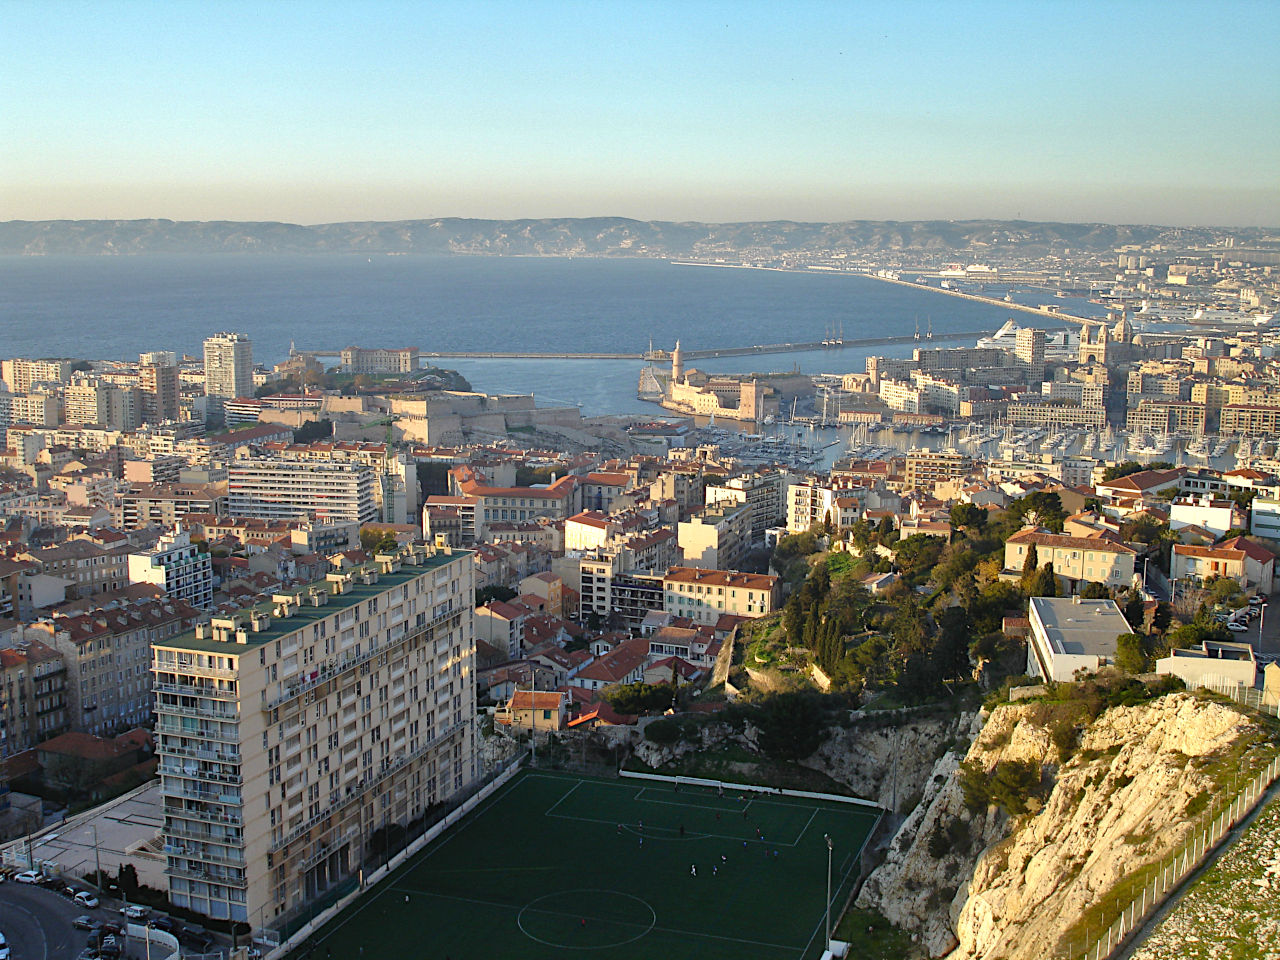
[37, 922]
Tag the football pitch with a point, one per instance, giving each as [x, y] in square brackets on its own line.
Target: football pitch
[557, 865]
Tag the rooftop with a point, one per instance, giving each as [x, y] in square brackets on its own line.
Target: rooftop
[1078, 627]
[277, 627]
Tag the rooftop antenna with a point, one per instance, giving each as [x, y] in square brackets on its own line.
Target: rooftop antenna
[917, 329]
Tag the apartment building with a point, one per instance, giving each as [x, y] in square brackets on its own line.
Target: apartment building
[764, 492]
[289, 734]
[810, 503]
[21, 374]
[107, 655]
[488, 504]
[178, 567]
[924, 468]
[716, 537]
[704, 596]
[294, 489]
[33, 695]
[164, 504]
[1076, 560]
[1025, 413]
[1251, 420]
[87, 567]
[228, 369]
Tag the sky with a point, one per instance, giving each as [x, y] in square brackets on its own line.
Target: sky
[311, 112]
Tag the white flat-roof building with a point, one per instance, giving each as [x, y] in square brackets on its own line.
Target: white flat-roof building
[1214, 664]
[1069, 634]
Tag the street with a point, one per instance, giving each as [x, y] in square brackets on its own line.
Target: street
[37, 922]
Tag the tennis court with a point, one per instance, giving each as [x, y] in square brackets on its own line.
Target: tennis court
[555, 865]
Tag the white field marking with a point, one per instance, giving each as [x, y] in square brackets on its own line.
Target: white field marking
[564, 797]
[421, 856]
[806, 824]
[557, 913]
[835, 897]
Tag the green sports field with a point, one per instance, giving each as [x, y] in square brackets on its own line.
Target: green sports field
[558, 866]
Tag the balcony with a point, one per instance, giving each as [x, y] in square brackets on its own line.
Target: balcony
[195, 753]
[195, 873]
[170, 789]
[204, 816]
[227, 858]
[203, 776]
[182, 832]
[178, 730]
[326, 672]
[195, 690]
[199, 713]
[363, 786]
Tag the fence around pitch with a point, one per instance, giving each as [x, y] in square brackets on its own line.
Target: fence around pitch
[1185, 861]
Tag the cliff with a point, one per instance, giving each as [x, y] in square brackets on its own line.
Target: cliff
[1136, 781]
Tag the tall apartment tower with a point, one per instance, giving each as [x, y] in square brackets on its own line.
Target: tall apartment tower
[289, 734]
[228, 369]
[159, 384]
[1029, 348]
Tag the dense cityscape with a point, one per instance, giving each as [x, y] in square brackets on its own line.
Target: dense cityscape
[294, 616]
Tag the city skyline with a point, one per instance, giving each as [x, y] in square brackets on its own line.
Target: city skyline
[712, 112]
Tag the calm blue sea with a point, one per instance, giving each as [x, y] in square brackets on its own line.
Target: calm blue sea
[113, 308]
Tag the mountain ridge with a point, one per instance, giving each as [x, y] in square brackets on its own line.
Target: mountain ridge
[595, 237]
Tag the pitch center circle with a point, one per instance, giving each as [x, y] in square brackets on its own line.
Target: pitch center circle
[586, 919]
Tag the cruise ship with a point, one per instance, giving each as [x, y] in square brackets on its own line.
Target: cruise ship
[1199, 315]
[1058, 344]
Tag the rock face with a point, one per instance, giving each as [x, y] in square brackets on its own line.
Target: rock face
[889, 757]
[1119, 803]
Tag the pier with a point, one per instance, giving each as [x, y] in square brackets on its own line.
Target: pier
[1008, 304]
[428, 357]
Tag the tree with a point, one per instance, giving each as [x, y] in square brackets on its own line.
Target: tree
[1131, 657]
[1044, 583]
[637, 698]
[1030, 566]
[1095, 591]
[128, 880]
[1135, 611]
[377, 539]
[495, 592]
[313, 430]
[968, 515]
[790, 726]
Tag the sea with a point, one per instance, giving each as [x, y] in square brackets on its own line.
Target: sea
[117, 307]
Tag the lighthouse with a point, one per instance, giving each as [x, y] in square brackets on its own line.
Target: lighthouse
[677, 364]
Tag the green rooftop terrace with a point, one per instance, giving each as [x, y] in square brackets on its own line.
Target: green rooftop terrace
[302, 610]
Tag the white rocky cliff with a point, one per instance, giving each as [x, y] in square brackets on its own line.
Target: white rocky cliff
[1129, 794]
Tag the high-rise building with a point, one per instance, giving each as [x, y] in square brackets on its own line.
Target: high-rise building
[290, 734]
[228, 369]
[1029, 349]
[159, 385]
[177, 567]
[297, 489]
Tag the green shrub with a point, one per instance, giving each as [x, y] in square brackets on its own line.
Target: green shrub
[665, 730]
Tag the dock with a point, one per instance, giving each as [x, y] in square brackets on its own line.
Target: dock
[428, 357]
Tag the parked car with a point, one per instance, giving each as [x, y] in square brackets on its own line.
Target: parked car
[1257, 600]
[4, 948]
[133, 912]
[167, 924]
[88, 953]
[1237, 627]
[28, 876]
[86, 899]
[84, 923]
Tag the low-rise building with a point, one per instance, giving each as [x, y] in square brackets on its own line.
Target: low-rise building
[1076, 560]
[704, 596]
[1071, 635]
[1249, 564]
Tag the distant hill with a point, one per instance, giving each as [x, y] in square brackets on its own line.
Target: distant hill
[591, 237]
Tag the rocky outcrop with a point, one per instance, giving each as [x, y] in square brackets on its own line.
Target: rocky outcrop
[1126, 798]
[915, 886]
[889, 757]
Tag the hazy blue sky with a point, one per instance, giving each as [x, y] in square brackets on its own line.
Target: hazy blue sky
[310, 112]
